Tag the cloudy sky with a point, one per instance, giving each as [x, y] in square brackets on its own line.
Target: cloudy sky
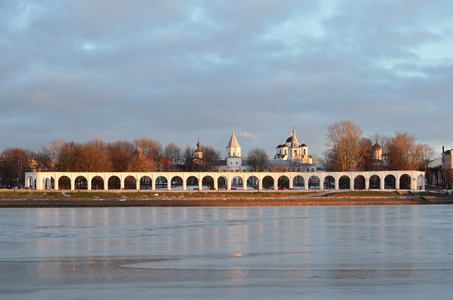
[176, 71]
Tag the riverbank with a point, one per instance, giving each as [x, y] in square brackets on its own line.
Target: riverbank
[11, 199]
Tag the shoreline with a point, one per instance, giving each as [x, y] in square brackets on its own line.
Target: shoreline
[215, 202]
[53, 199]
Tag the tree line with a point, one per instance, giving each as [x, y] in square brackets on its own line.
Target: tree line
[348, 150]
[141, 155]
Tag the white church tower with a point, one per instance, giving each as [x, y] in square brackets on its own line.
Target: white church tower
[233, 155]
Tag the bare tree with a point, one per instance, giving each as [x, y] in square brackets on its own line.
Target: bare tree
[188, 157]
[257, 159]
[120, 154]
[344, 140]
[141, 163]
[92, 158]
[14, 162]
[173, 153]
[426, 155]
[209, 161]
[64, 155]
[403, 153]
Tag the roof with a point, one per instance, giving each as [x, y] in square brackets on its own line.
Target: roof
[437, 163]
[233, 142]
[377, 147]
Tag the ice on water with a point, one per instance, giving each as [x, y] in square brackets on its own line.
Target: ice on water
[242, 253]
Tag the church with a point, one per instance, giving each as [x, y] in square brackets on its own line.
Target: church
[293, 151]
[290, 156]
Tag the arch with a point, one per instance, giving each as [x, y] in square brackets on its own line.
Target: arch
[313, 183]
[329, 183]
[222, 183]
[114, 183]
[299, 182]
[252, 183]
[375, 183]
[405, 182]
[283, 182]
[30, 182]
[49, 183]
[130, 183]
[390, 182]
[161, 183]
[237, 182]
[64, 183]
[97, 183]
[207, 183]
[192, 182]
[359, 182]
[177, 183]
[80, 183]
[344, 183]
[268, 183]
[420, 181]
[146, 183]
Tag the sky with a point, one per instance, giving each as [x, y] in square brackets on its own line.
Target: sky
[178, 71]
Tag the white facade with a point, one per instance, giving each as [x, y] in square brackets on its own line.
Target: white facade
[291, 150]
[378, 180]
[233, 156]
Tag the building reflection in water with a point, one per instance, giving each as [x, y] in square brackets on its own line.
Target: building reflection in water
[348, 241]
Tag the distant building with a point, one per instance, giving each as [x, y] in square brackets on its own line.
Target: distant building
[293, 151]
[290, 156]
[233, 161]
[440, 171]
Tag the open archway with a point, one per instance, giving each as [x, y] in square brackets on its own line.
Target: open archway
[30, 182]
[146, 183]
[268, 183]
[177, 183]
[130, 183]
[252, 183]
[390, 182]
[81, 183]
[114, 183]
[314, 183]
[299, 182]
[359, 182]
[161, 183]
[222, 183]
[344, 183]
[420, 181]
[405, 182]
[192, 183]
[64, 183]
[207, 183]
[283, 182]
[49, 183]
[375, 183]
[237, 183]
[97, 183]
[329, 183]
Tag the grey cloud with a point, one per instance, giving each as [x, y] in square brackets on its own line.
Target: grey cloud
[179, 70]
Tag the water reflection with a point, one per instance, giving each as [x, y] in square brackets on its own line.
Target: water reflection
[244, 245]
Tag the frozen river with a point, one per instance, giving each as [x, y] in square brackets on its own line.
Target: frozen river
[348, 252]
